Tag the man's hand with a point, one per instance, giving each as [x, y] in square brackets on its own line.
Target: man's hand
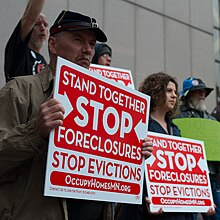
[211, 210]
[148, 202]
[147, 147]
[50, 116]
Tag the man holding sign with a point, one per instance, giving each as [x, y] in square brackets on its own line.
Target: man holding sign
[29, 114]
[194, 94]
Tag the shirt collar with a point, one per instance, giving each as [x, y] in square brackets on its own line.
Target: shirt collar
[46, 78]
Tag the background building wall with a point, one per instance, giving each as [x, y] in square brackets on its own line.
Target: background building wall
[146, 35]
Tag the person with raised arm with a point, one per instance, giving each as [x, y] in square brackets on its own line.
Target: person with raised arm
[23, 50]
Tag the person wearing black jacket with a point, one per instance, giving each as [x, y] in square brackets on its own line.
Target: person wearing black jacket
[23, 50]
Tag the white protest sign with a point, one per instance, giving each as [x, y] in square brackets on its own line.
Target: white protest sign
[96, 153]
[119, 75]
[177, 175]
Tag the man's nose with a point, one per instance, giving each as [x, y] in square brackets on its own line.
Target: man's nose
[87, 48]
[43, 27]
[202, 93]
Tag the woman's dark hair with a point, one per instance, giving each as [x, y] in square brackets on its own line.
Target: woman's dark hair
[155, 86]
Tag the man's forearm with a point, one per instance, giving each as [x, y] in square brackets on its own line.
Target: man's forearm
[33, 9]
[32, 12]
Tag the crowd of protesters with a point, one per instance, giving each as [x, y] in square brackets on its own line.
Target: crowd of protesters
[29, 113]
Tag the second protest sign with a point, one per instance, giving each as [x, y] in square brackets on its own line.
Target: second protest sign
[177, 175]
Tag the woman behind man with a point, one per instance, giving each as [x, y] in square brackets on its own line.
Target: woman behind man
[163, 90]
[164, 101]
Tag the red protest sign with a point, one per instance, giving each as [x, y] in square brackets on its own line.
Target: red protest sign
[177, 175]
[119, 75]
[96, 153]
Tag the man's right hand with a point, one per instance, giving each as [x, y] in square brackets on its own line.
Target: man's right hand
[50, 116]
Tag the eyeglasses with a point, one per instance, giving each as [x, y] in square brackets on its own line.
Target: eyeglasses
[106, 55]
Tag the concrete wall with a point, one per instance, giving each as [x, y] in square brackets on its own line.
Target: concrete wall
[146, 35]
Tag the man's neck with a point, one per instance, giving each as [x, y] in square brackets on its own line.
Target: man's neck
[53, 68]
[33, 47]
[37, 50]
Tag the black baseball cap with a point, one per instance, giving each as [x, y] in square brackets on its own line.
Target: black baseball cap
[70, 21]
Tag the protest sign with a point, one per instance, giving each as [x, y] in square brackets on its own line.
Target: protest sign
[177, 175]
[96, 153]
[202, 129]
[119, 75]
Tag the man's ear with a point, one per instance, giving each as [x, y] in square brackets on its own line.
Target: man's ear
[52, 45]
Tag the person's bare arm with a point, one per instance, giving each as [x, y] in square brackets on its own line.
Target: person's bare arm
[29, 18]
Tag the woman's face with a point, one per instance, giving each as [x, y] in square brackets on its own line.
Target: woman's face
[171, 96]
